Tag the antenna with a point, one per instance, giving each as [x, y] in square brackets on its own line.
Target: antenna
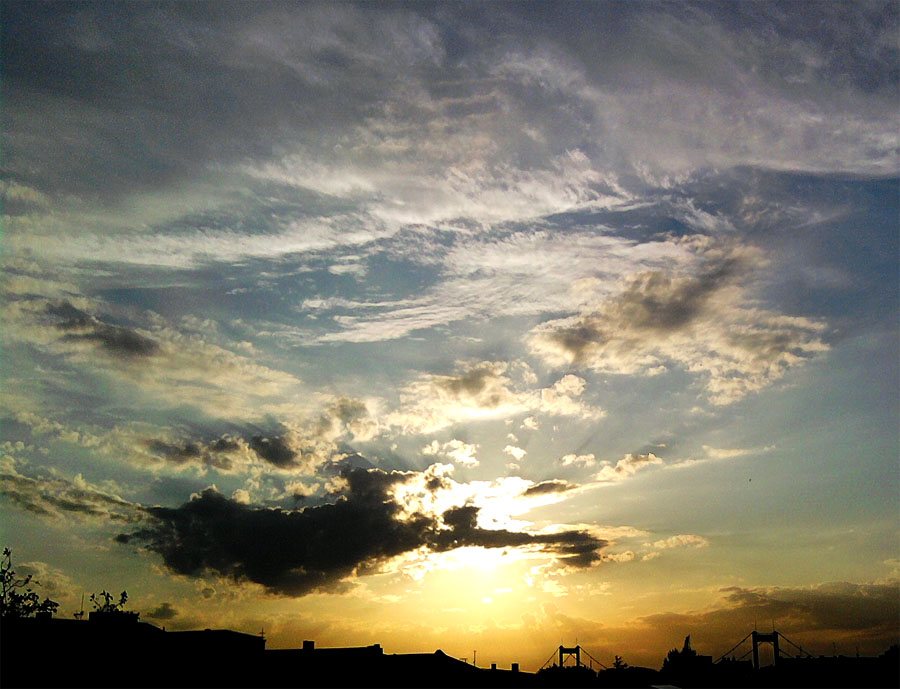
[473, 658]
[78, 615]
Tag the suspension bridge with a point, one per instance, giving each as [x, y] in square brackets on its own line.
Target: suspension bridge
[756, 639]
[572, 655]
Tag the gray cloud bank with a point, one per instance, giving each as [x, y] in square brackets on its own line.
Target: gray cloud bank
[654, 89]
[296, 552]
[847, 613]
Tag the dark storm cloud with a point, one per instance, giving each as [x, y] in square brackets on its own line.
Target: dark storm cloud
[66, 311]
[551, 486]
[575, 548]
[290, 553]
[295, 552]
[120, 341]
[164, 611]
[214, 454]
[115, 339]
[274, 450]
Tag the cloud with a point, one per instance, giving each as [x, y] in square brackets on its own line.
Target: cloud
[225, 453]
[160, 360]
[848, 615]
[704, 323]
[242, 496]
[117, 340]
[561, 399]
[578, 460]
[54, 497]
[867, 608]
[483, 390]
[300, 490]
[716, 454]
[575, 549]
[273, 450]
[302, 445]
[49, 579]
[456, 450]
[517, 453]
[307, 444]
[530, 423]
[162, 612]
[629, 465]
[550, 486]
[317, 548]
[680, 541]
[509, 273]
[813, 616]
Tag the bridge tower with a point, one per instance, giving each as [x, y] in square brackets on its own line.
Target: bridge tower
[763, 638]
[565, 652]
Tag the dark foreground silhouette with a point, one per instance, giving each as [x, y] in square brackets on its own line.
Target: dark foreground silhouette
[114, 649]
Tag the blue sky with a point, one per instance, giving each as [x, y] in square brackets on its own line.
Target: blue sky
[542, 320]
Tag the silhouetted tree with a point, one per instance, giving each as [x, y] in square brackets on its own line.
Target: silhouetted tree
[104, 601]
[619, 664]
[681, 662]
[105, 605]
[18, 600]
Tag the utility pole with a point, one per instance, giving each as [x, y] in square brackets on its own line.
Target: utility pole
[473, 658]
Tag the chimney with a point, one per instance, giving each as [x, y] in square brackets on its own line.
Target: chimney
[309, 645]
[493, 666]
[514, 667]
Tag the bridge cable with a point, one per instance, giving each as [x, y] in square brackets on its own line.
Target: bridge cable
[802, 650]
[745, 655]
[735, 646]
[552, 656]
[593, 658]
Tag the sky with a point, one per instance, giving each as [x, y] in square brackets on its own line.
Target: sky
[480, 326]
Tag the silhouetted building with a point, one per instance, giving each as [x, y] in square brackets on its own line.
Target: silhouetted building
[118, 650]
[370, 666]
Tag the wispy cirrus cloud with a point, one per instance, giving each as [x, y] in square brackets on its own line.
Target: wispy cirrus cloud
[516, 274]
[159, 358]
[54, 497]
[716, 454]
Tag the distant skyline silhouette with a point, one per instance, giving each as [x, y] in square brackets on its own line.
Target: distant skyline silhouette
[137, 654]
